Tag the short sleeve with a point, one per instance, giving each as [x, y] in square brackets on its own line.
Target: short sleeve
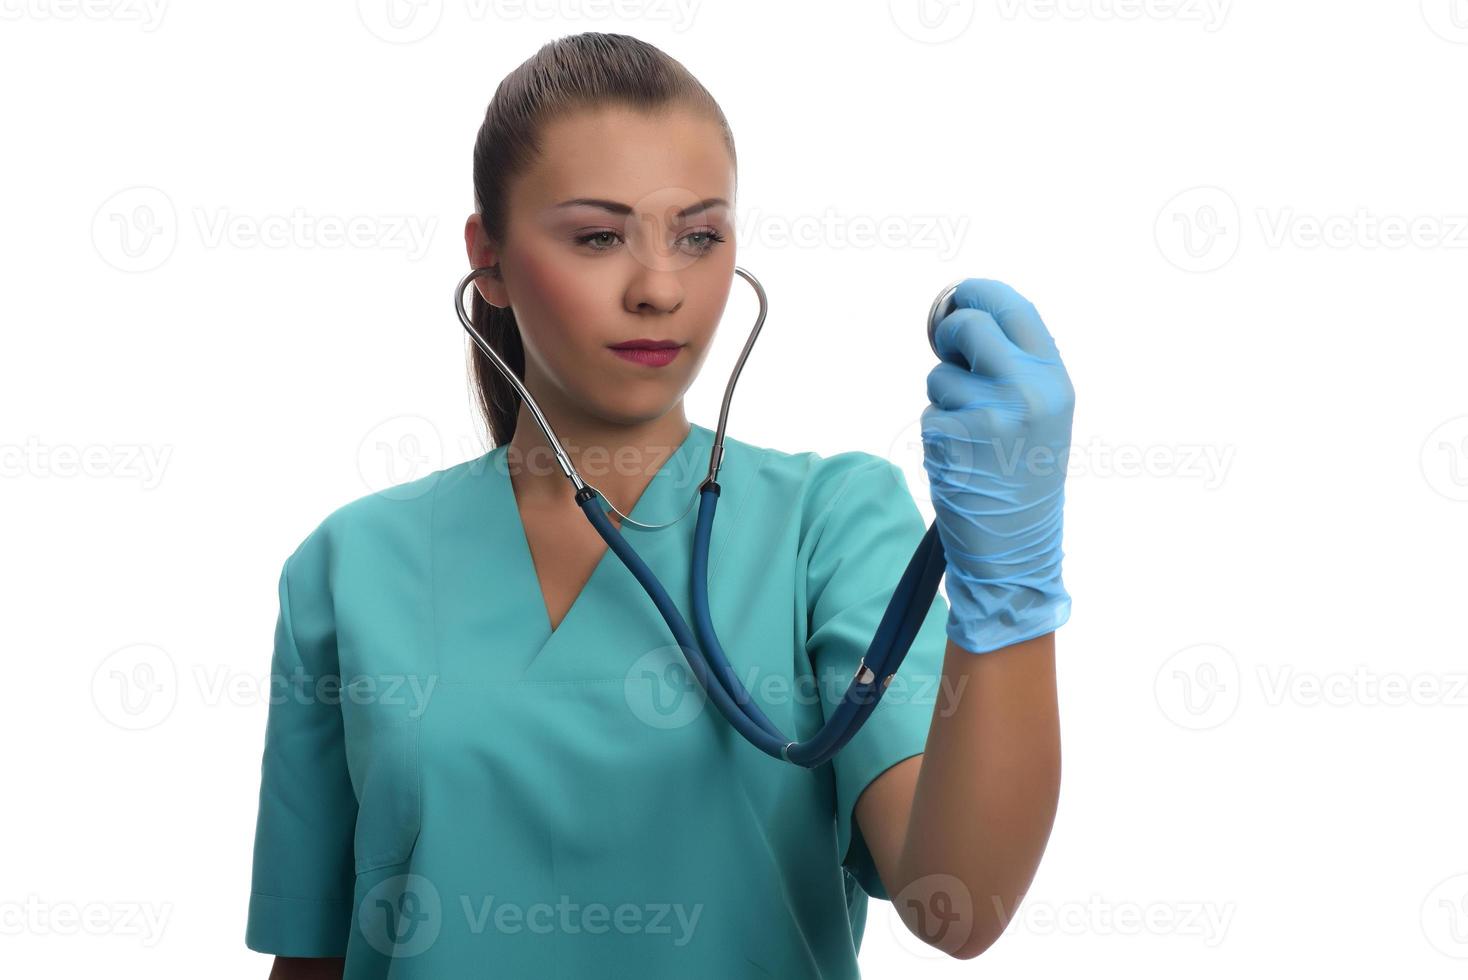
[303, 878]
[865, 541]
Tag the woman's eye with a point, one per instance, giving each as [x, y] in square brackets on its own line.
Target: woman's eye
[600, 240]
[703, 242]
[697, 242]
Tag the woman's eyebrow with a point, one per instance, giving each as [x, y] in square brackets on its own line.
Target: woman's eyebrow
[616, 207]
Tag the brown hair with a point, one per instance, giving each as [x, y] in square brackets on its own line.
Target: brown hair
[579, 71]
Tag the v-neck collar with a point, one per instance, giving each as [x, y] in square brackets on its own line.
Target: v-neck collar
[672, 487]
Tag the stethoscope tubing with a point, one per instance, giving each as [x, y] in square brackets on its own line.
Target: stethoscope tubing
[763, 740]
[905, 613]
[889, 646]
[904, 616]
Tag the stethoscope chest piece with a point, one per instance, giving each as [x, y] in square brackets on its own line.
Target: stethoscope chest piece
[942, 306]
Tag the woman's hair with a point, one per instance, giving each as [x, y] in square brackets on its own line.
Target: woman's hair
[581, 71]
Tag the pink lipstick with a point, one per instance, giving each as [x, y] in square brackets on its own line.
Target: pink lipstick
[653, 353]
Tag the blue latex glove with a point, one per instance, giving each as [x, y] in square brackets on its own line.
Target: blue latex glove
[996, 443]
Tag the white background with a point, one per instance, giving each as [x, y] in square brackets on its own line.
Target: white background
[1244, 223]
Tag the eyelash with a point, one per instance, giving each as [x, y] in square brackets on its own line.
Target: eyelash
[714, 239]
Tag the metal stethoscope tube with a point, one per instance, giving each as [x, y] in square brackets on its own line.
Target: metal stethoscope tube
[905, 612]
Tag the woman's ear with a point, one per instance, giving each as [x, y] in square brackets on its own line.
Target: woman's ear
[484, 252]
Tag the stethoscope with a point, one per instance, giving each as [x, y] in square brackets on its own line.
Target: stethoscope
[905, 612]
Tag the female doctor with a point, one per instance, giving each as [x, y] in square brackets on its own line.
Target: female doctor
[487, 757]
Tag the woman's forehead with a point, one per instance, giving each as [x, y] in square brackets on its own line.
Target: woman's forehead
[627, 156]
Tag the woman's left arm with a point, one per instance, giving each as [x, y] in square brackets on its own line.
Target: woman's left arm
[957, 832]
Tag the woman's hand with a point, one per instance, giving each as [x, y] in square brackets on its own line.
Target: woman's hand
[296, 968]
[996, 444]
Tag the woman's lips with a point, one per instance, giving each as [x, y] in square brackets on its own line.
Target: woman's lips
[650, 356]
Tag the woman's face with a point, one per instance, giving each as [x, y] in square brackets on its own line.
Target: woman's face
[622, 230]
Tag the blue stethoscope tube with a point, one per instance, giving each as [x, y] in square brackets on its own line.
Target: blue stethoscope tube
[905, 613]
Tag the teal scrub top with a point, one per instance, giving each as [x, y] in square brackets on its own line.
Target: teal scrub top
[449, 788]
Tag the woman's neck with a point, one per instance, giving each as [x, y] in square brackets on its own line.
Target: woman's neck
[619, 460]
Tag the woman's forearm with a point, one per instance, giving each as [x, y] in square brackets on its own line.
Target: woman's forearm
[986, 795]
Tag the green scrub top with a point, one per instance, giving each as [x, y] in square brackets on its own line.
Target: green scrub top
[481, 796]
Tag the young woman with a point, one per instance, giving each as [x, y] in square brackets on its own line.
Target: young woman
[516, 775]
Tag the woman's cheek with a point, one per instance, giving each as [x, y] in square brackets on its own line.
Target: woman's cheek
[571, 287]
[560, 309]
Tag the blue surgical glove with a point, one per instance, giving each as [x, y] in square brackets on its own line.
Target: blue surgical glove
[996, 444]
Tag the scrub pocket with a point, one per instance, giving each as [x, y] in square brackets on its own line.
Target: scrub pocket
[382, 754]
